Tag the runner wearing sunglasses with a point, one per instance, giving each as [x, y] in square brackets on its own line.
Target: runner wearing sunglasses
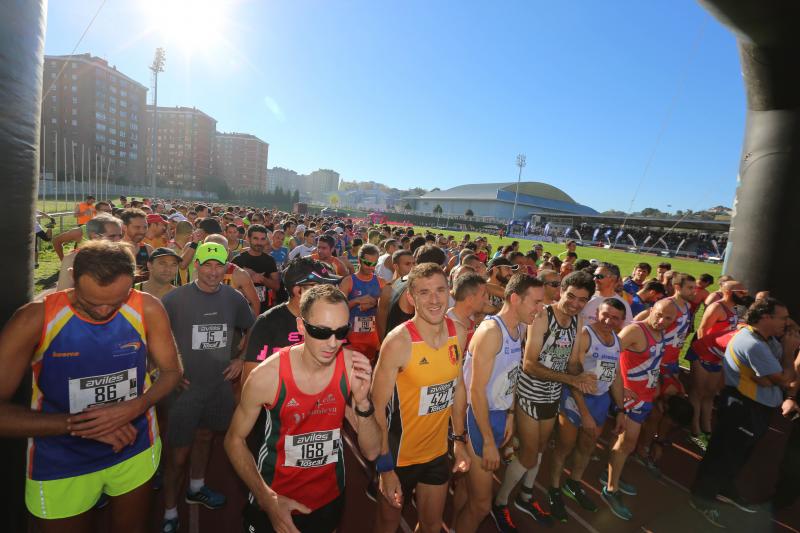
[552, 285]
[297, 481]
[606, 277]
[363, 289]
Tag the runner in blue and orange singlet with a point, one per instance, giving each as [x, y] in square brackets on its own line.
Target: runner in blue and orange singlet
[363, 290]
[91, 425]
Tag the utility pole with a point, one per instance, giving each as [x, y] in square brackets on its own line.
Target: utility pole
[520, 164]
[157, 66]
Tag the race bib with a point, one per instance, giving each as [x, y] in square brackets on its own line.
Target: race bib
[209, 336]
[435, 398]
[512, 376]
[100, 390]
[605, 371]
[364, 324]
[312, 450]
[261, 292]
[652, 378]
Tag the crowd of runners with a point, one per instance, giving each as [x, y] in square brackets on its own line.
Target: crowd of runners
[442, 359]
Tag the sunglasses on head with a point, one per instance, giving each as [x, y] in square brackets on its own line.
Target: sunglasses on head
[369, 263]
[321, 333]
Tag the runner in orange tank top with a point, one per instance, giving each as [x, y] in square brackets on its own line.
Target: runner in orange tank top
[419, 376]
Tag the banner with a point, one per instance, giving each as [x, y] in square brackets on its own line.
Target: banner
[547, 229]
[566, 233]
[716, 247]
[619, 234]
[594, 235]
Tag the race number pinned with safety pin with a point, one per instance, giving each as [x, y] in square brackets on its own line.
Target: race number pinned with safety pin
[209, 336]
[93, 391]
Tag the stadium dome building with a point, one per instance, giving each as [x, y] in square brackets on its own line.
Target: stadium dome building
[497, 200]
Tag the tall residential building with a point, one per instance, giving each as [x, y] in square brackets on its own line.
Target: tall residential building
[241, 160]
[315, 186]
[287, 180]
[321, 182]
[185, 144]
[95, 112]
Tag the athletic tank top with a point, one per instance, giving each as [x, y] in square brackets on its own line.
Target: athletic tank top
[353, 260]
[423, 399]
[556, 349]
[726, 324]
[302, 456]
[469, 327]
[141, 258]
[79, 364]
[227, 279]
[505, 369]
[363, 321]
[381, 270]
[602, 360]
[675, 336]
[396, 315]
[640, 370]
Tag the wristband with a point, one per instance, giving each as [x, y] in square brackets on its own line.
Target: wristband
[384, 463]
[193, 245]
[460, 438]
[365, 414]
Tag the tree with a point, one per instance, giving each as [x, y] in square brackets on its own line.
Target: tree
[408, 206]
[438, 210]
[469, 213]
[296, 197]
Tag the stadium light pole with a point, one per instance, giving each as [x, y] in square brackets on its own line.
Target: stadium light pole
[520, 164]
[157, 66]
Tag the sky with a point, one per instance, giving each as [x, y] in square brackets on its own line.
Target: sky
[623, 105]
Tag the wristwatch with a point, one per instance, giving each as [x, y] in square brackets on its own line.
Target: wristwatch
[459, 438]
[365, 414]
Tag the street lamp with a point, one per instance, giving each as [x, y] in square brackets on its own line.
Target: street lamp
[520, 164]
[157, 66]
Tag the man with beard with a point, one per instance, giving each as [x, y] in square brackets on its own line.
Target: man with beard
[92, 423]
[298, 482]
[719, 318]
[163, 267]
[642, 347]
[134, 229]
[491, 367]
[500, 271]
[324, 253]
[403, 262]
[203, 315]
[757, 366]
[420, 367]
[551, 351]
[259, 265]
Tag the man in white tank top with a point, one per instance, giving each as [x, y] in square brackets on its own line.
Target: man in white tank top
[491, 367]
[582, 415]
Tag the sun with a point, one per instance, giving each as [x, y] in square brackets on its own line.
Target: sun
[190, 25]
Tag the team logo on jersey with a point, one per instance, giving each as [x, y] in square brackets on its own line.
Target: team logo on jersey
[292, 403]
[65, 354]
[135, 345]
[453, 353]
[424, 361]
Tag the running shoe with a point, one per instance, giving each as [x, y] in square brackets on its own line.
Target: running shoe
[170, 525]
[614, 502]
[501, 515]
[206, 497]
[733, 498]
[709, 512]
[572, 489]
[701, 441]
[532, 508]
[557, 508]
[650, 465]
[624, 488]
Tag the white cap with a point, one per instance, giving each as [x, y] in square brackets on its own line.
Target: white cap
[301, 227]
[177, 217]
[594, 261]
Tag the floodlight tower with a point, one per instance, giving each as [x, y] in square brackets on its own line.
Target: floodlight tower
[520, 164]
[158, 66]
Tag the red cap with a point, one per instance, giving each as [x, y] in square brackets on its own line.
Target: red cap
[155, 219]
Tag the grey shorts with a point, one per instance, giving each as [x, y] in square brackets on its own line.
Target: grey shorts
[188, 411]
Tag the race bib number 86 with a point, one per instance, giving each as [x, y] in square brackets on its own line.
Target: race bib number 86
[311, 450]
[435, 398]
[99, 390]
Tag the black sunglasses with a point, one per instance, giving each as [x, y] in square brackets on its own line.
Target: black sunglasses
[599, 276]
[321, 333]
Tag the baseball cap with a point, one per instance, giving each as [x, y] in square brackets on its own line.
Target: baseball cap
[303, 270]
[502, 261]
[211, 250]
[594, 262]
[164, 252]
[301, 227]
[155, 219]
[177, 217]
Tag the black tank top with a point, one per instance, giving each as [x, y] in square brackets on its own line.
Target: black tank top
[396, 315]
[141, 257]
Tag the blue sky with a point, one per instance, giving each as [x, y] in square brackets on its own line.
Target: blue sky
[442, 93]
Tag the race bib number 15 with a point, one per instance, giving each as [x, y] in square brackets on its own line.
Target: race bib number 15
[209, 336]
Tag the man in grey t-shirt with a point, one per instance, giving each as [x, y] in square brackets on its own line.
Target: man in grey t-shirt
[203, 315]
